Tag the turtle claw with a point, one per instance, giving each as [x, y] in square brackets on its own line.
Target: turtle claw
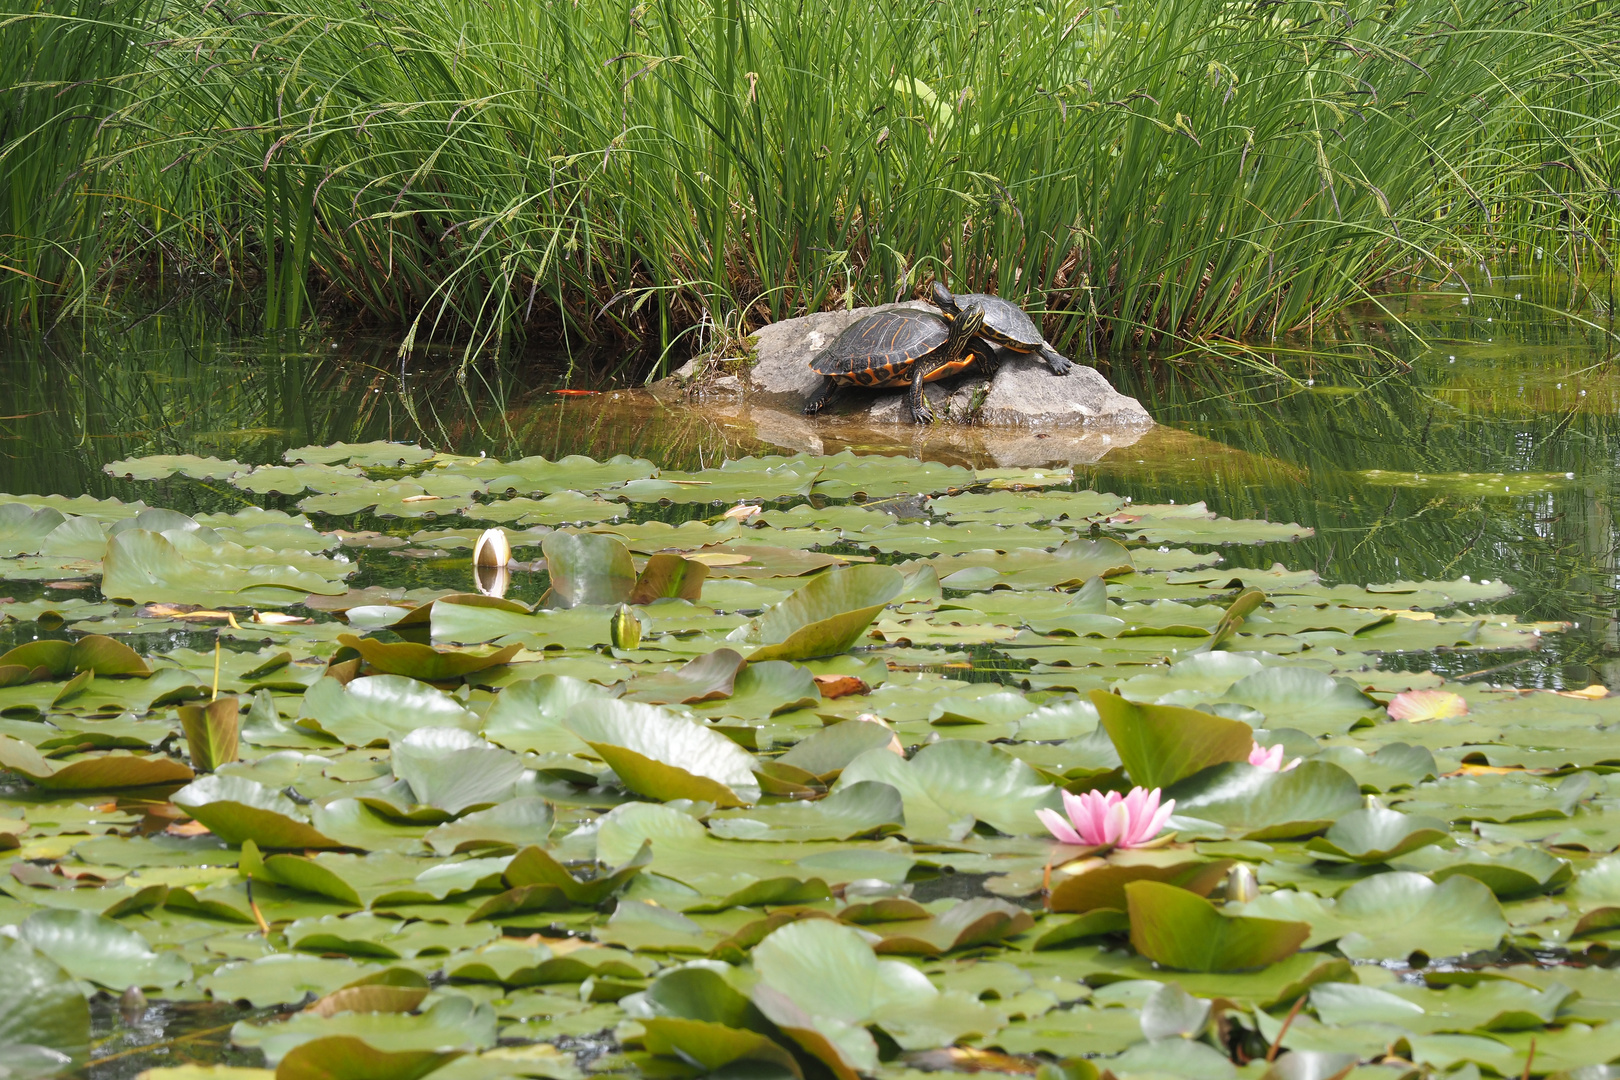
[922, 414]
[1060, 364]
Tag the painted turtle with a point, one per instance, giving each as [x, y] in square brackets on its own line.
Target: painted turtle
[899, 348]
[1005, 323]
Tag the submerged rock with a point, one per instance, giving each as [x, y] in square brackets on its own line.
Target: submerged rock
[1023, 394]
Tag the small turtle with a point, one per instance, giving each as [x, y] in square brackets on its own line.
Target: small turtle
[1005, 323]
[899, 348]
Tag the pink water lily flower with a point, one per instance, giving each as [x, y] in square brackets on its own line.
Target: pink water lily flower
[1120, 820]
[1271, 759]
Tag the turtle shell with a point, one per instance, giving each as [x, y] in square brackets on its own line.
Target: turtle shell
[880, 349]
[1005, 323]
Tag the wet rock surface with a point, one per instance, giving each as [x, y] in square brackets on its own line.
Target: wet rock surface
[1023, 394]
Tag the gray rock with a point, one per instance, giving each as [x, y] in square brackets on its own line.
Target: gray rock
[1023, 394]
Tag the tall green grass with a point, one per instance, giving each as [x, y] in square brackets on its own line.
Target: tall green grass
[683, 170]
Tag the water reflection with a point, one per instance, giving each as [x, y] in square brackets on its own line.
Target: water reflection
[1336, 439]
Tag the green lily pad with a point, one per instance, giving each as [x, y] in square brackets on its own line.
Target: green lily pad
[1100, 883]
[861, 809]
[143, 566]
[453, 770]
[1179, 929]
[825, 617]
[375, 709]
[1161, 744]
[664, 756]
[953, 783]
[99, 950]
[91, 772]
[424, 661]
[1253, 803]
[821, 983]
[237, 810]
[40, 1005]
[1377, 835]
[588, 568]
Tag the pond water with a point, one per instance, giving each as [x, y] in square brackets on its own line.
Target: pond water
[1453, 436]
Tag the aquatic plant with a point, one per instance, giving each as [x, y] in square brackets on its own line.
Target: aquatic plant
[683, 171]
[1097, 818]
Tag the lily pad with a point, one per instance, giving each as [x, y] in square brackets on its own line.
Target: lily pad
[237, 810]
[91, 772]
[424, 661]
[588, 568]
[1179, 929]
[100, 950]
[1377, 835]
[1161, 744]
[825, 617]
[40, 1005]
[664, 756]
[952, 784]
[1256, 804]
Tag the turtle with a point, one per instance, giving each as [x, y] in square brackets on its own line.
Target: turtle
[1005, 324]
[899, 348]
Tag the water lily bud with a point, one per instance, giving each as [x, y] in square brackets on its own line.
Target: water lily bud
[492, 549]
[625, 630]
[742, 511]
[132, 1005]
[1241, 884]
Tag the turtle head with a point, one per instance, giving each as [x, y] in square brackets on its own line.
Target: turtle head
[942, 297]
[964, 326]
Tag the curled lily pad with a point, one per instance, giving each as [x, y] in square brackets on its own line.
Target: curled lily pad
[93, 771]
[1161, 744]
[1179, 929]
[93, 652]
[1375, 835]
[515, 822]
[538, 882]
[424, 661]
[825, 617]
[212, 732]
[236, 810]
[821, 983]
[454, 770]
[668, 575]
[664, 756]
[588, 568]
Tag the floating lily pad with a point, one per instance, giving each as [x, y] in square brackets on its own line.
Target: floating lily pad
[664, 756]
[1179, 929]
[1377, 835]
[823, 618]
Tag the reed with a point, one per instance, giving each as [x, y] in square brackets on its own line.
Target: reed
[683, 170]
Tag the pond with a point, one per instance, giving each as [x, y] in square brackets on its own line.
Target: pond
[1390, 768]
[1488, 450]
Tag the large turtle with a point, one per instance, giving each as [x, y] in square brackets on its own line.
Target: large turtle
[1004, 323]
[899, 348]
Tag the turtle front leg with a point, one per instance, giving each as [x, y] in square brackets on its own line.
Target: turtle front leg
[915, 401]
[1055, 360]
[822, 395]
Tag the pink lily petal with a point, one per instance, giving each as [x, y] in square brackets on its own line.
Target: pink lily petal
[1160, 820]
[1058, 827]
[1268, 758]
[1119, 823]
